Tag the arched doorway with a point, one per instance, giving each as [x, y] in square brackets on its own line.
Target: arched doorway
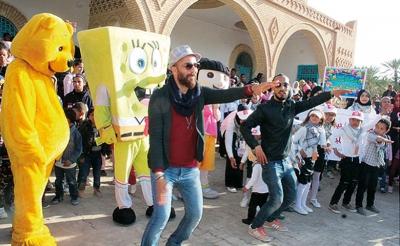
[244, 65]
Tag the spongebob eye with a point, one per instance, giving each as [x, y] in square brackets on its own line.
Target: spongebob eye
[210, 75]
[137, 60]
[156, 61]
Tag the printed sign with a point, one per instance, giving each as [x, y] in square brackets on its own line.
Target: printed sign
[345, 79]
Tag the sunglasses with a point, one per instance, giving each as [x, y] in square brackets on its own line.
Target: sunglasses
[286, 84]
[189, 65]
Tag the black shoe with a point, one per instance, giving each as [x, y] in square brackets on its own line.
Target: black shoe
[150, 210]
[280, 217]
[289, 209]
[103, 173]
[383, 191]
[57, 199]
[247, 221]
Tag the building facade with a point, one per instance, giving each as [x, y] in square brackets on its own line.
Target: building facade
[253, 36]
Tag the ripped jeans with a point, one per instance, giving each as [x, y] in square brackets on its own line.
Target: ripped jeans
[350, 167]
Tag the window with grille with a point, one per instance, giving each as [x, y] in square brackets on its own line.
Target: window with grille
[7, 26]
[308, 72]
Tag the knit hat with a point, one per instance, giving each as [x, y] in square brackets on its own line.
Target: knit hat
[180, 52]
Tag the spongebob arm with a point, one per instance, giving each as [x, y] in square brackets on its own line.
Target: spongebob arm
[102, 115]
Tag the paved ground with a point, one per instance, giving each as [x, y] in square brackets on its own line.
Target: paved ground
[90, 223]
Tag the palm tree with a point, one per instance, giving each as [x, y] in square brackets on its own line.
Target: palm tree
[393, 68]
[373, 82]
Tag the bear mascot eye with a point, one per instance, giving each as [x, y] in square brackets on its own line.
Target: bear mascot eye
[210, 75]
[60, 48]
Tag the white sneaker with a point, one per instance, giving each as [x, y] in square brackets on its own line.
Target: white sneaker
[89, 182]
[209, 193]
[231, 189]
[244, 202]
[300, 210]
[132, 189]
[315, 203]
[309, 210]
[66, 188]
[3, 213]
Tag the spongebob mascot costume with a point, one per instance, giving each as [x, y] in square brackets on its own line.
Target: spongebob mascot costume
[34, 125]
[117, 61]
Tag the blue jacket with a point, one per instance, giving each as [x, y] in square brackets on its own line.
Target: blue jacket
[160, 117]
[74, 147]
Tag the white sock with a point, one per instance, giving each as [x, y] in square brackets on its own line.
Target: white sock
[305, 194]
[315, 185]
[300, 191]
[204, 177]
[147, 191]
[122, 196]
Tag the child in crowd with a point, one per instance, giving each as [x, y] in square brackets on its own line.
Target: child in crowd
[372, 159]
[309, 136]
[254, 102]
[67, 164]
[382, 171]
[259, 193]
[235, 147]
[80, 110]
[91, 156]
[68, 79]
[330, 112]
[248, 158]
[351, 139]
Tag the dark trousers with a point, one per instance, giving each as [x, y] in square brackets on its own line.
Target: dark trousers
[348, 180]
[93, 159]
[233, 177]
[71, 181]
[257, 199]
[367, 181]
[6, 184]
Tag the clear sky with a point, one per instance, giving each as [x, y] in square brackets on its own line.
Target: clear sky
[378, 28]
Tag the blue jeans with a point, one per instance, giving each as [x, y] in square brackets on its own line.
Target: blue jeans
[281, 181]
[71, 181]
[93, 159]
[188, 183]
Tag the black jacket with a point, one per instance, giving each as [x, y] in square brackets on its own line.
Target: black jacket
[276, 120]
[88, 139]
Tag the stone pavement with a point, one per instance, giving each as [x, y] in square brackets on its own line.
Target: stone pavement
[90, 222]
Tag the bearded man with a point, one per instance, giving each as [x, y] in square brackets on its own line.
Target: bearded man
[275, 118]
[176, 128]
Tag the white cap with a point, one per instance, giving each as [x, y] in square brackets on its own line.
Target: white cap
[329, 108]
[244, 114]
[256, 130]
[357, 115]
[316, 113]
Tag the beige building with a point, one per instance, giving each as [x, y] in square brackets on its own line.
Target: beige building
[253, 36]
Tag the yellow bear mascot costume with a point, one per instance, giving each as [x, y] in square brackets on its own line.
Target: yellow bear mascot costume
[33, 124]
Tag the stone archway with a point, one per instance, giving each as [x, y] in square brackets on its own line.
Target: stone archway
[246, 13]
[315, 39]
[12, 14]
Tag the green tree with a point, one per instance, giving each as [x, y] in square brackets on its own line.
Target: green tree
[373, 82]
[393, 69]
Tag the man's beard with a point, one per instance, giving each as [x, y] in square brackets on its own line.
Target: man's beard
[279, 98]
[185, 81]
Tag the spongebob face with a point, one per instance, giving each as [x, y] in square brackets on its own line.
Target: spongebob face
[118, 60]
[123, 59]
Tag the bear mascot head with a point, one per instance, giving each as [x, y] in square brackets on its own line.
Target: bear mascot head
[33, 123]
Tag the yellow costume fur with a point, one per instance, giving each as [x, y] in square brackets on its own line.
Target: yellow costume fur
[34, 127]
